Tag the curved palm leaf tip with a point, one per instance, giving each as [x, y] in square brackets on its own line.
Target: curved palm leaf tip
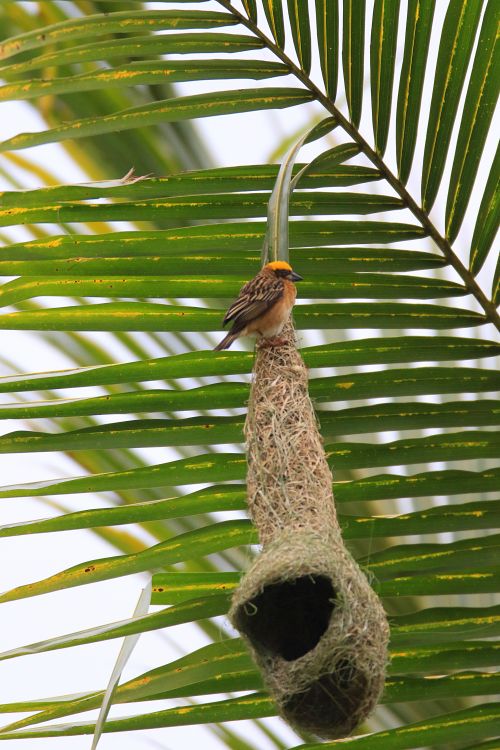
[426, 642]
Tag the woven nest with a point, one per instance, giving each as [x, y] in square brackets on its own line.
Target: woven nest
[313, 624]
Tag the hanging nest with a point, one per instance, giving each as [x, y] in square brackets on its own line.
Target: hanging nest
[314, 626]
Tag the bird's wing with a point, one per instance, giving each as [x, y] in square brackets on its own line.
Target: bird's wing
[254, 299]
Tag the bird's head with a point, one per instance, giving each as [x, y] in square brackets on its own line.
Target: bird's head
[283, 270]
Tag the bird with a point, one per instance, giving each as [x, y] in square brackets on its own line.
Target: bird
[263, 305]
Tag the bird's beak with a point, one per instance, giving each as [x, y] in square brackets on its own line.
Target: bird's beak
[295, 276]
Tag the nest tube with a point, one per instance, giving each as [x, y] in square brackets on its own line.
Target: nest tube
[312, 622]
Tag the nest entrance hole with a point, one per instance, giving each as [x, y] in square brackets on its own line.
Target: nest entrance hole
[288, 618]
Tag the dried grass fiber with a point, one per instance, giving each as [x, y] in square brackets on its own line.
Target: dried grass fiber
[314, 626]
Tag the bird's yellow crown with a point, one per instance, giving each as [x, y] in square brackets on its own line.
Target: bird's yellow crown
[279, 265]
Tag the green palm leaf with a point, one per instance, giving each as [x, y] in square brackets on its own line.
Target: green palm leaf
[184, 108]
[488, 218]
[457, 38]
[274, 14]
[353, 50]
[417, 37]
[137, 46]
[478, 110]
[382, 60]
[128, 22]
[299, 19]
[327, 21]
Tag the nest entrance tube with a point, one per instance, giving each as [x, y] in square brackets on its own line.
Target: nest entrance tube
[313, 624]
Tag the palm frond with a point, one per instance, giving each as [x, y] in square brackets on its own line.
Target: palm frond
[374, 261]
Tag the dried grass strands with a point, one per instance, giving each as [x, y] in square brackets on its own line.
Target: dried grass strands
[313, 624]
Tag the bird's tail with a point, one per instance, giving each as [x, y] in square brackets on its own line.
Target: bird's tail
[226, 342]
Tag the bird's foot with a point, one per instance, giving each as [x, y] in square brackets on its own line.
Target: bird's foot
[268, 343]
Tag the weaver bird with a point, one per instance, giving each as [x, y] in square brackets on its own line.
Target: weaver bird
[263, 305]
